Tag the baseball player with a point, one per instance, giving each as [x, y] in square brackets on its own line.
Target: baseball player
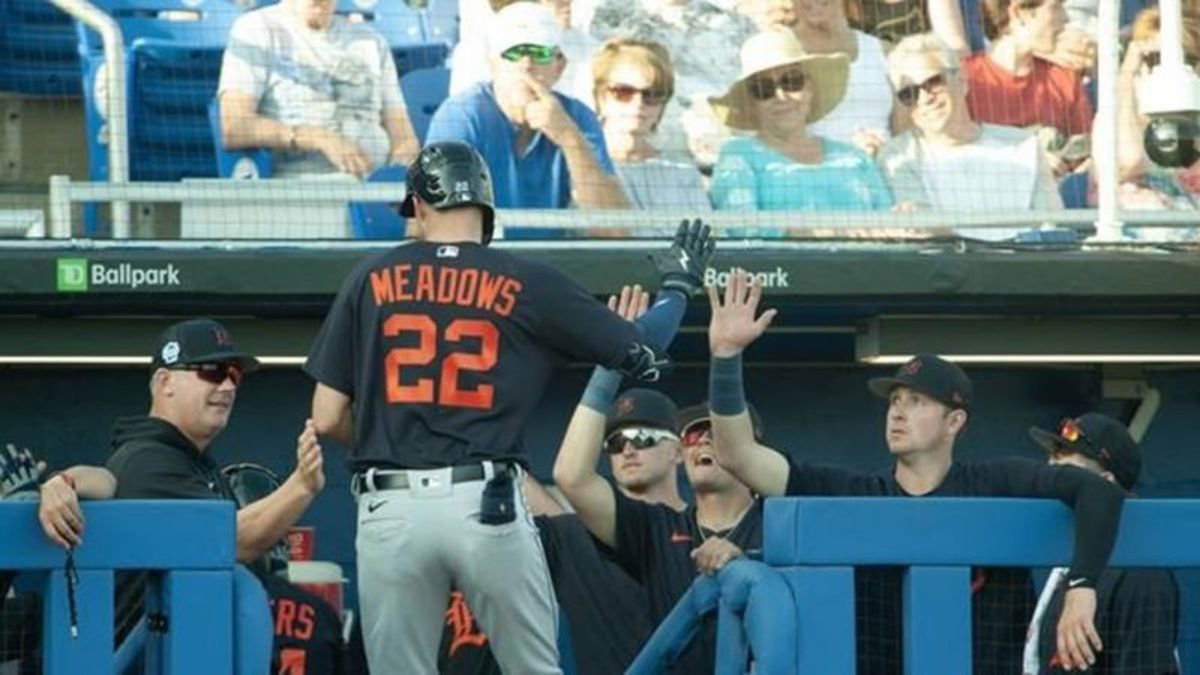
[1138, 613]
[429, 363]
[929, 400]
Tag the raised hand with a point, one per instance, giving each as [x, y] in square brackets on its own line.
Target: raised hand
[310, 463]
[19, 470]
[546, 114]
[734, 326]
[631, 304]
[681, 266]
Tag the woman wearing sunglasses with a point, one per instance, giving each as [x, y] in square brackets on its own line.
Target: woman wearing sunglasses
[949, 161]
[781, 165]
[633, 83]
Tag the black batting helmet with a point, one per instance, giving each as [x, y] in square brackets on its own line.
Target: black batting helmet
[250, 483]
[449, 175]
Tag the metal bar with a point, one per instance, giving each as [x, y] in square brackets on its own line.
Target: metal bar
[1108, 222]
[117, 121]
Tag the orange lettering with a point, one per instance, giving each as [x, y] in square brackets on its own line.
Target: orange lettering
[381, 286]
[305, 619]
[425, 284]
[489, 288]
[447, 285]
[508, 297]
[402, 293]
[285, 613]
[468, 280]
[462, 624]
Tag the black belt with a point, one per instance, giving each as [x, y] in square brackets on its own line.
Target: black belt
[397, 479]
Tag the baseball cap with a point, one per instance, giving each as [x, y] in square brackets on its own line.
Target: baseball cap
[931, 375]
[524, 23]
[198, 341]
[642, 407]
[1098, 437]
[700, 412]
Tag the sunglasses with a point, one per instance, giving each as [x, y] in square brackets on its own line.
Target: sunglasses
[216, 373]
[696, 432]
[625, 93]
[639, 438]
[909, 95]
[764, 88]
[538, 54]
[1153, 59]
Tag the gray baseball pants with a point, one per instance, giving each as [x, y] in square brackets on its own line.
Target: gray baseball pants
[414, 543]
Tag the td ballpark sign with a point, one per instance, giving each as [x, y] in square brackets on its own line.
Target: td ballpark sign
[777, 278]
[77, 275]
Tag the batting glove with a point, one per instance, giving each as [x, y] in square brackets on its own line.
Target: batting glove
[681, 267]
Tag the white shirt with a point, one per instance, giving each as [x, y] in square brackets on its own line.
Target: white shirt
[867, 104]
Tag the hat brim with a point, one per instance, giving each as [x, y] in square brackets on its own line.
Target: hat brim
[827, 75]
[883, 386]
[1050, 441]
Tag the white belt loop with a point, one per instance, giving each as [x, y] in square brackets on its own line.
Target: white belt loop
[369, 479]
[489, 470]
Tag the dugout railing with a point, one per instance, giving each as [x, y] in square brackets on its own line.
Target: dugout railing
[813, 545]
[192, 543]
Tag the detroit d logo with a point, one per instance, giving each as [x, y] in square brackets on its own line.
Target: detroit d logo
[912, 367]
[624, 406]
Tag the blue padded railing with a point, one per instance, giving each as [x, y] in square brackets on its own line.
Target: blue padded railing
[815, 544]
[192, 542]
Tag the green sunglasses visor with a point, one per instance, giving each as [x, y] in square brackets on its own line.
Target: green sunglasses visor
[539, 54]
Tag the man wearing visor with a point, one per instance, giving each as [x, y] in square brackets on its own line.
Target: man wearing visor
[545, 150]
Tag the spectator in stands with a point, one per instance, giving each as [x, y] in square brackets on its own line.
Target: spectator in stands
[1146, 186]
[929, 404]
[702, 39]
[948, 161]
[894, 20]
[544, 149]
[195, 374]
[663, 547]
[320, 91]
[784, 89]
[864, 115]
[1010, 84]
[634, 83]
[1137, 613]
[470, 63]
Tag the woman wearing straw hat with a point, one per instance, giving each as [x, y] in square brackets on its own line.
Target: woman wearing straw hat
[783, 89]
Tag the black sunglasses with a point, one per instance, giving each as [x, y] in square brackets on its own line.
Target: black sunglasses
[763, 88]
[216, 373]
[639, 438]
[908, 95]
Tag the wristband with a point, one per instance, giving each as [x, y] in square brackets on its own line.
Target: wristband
[601, 390]
[726, 395]
[1080, 581]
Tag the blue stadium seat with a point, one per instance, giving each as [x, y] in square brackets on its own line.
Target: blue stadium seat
[37, 50]
[424, 90]
[418, 37]
[378, 220]
[173, 54]
[241, 164]
[1073, 188]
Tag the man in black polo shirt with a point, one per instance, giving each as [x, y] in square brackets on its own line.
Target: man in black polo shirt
[195, 374]
[928, 403]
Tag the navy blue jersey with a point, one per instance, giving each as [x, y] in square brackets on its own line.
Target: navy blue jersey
[445, 350]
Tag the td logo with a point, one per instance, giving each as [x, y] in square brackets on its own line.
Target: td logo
[72, 275]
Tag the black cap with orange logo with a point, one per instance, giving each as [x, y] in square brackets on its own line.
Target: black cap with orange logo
[931, 375]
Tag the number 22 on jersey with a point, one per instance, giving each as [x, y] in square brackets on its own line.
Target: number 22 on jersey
[445, 390]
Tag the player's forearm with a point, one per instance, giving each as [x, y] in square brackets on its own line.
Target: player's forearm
[734, 445]
[592, 186]
[575, 465]
[261, 524]
[401, 137]
[92, 482]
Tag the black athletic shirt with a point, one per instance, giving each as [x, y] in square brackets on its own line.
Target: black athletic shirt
[1002, 599]
[308, 632]
[1137, 617]
[604, 607]
[654, 544]
[445, 350]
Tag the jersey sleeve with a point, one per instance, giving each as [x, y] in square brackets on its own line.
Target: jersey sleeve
[330, 360]
[1096, 503]
[575, 323]
[149, 474]
[815, 480]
